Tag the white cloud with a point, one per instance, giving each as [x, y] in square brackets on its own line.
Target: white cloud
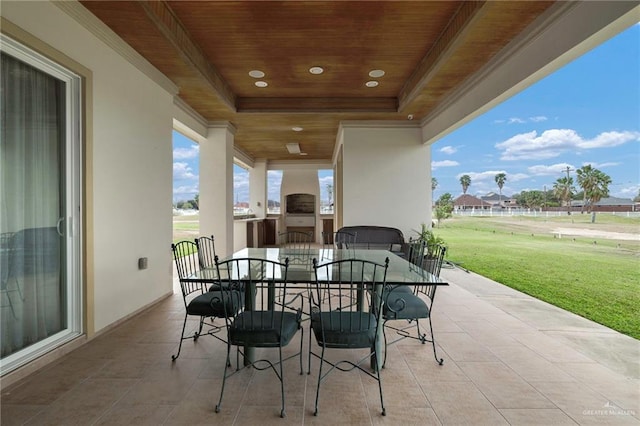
[552, 143]
[516, 120]
[445, 163]
[551, 170]
[449, 150]
[498, 121]
[600, 165]
[183, 171]
[628, 191]
[186, 153]
[538, 118]
[185, 192]
[517, 176]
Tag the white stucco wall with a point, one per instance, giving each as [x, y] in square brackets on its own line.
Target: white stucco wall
[131, 160]
[386, 176]
[301, 181]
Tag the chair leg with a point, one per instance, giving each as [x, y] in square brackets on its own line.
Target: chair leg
[315, 413]
[384, 335]
[282, 412]
[433, 342]
[384, 411]
[197, 334]
[421, 336]
[184, 324]
[301, 344]
[224, 378]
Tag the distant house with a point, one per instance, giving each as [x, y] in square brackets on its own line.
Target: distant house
[497, 200]
[609, 204]
[469, 202]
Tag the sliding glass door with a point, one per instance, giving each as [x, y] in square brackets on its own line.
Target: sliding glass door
[39, 206]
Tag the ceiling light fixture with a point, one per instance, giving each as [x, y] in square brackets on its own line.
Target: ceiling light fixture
[261, 83]
[293, 148]
[376, 73]
[316, 70]
[371, 83]
[297, 129]
[256, 73]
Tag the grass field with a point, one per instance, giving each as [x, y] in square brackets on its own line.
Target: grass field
[594, 273]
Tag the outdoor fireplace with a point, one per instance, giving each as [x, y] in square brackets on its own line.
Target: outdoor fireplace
[300, 213]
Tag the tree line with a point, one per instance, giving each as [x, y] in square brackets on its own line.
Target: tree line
[594, 185]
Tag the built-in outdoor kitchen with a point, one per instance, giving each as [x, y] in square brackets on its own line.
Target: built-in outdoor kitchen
[300, 212]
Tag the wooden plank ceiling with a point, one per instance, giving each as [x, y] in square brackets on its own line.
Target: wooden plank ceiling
[207, 48]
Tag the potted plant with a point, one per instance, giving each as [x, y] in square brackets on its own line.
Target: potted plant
[432, 241]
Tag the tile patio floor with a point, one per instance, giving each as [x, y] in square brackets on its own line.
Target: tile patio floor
[509, 359]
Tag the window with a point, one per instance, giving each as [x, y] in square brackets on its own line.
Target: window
[325, 178]
[274, 182]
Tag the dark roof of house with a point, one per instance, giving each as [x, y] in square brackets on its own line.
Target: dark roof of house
[470, 200]
[492, 196]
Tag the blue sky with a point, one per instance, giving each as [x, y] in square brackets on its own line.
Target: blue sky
[588, 112]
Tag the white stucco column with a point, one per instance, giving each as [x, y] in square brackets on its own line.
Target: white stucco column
[386, 175]
[216, 186]
[258, 188]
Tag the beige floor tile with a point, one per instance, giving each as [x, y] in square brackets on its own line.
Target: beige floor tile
[536, 417]
[503, 387]
[500, 365]
[622, 391]
[121, 414]
[406, 416]
[584, 405]
[13, 415]
[530, 365]
[462, 403]
[85, 403]
[463, 347]
[265, 415]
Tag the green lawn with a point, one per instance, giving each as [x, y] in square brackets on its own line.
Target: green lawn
[598, 281]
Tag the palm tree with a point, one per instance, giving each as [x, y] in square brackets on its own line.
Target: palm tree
[465, 181]
[595, 186]
[563, 189]
[500, 178]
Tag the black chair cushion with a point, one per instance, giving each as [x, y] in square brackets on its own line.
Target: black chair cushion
[344, 329]
[263, 328]
[210, 304]
[404, 305]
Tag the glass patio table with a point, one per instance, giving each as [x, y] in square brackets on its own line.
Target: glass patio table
[399, 272]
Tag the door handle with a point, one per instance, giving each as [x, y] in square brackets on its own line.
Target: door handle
[60, 220]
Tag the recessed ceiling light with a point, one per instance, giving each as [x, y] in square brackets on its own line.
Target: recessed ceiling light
[297, 129]
[376, 73]
[256, 73]
[303, 153]
[316, 70]
[262, 83]
[371, 83]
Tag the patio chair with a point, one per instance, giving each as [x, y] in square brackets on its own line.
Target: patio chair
[206, 251]
[412, 305]
[207, 255]
[6, 260]
[206, 305]
[262, 323]
[350, 320]
[296, 247]
[376, 237]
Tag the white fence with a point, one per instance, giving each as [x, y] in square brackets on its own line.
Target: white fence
[533, 213]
